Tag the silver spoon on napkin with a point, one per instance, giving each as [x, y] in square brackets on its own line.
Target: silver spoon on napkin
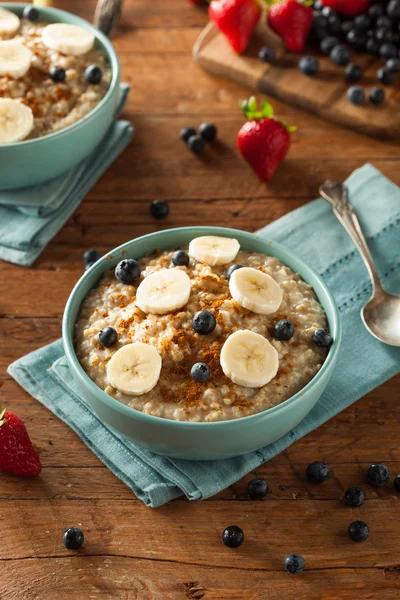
[381, 313]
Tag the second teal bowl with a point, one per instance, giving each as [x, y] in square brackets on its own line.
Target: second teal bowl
[200, 441]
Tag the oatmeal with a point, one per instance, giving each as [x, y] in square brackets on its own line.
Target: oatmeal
[219, 359]
[53, 70]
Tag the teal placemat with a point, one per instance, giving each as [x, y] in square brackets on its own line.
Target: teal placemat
[364, 363]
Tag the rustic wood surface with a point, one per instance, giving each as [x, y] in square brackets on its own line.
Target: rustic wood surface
[174, 552]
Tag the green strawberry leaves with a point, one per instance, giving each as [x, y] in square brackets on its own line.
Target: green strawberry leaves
[250, 110]
[2, 413]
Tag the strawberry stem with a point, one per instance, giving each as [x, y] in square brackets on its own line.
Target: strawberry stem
[251, 112]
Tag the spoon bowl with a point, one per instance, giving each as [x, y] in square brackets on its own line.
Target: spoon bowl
[381, 315]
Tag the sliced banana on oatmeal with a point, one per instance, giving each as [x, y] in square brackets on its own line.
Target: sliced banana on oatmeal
[163, 291]
[15, 59]
[249, 359]
[255, 290]
[67, 39]
[213, 249]
[16, 121]
[9, 22]
[134, 369]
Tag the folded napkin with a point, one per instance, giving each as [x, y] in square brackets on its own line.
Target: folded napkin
[364, 362]
[30, 217]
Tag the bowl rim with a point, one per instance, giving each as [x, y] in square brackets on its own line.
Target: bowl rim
[112, 56]
[112, 403]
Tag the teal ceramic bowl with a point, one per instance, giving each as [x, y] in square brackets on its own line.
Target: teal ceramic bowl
[34, 161]
[200, 441]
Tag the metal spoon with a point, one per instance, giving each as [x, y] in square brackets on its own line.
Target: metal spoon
[381, 314]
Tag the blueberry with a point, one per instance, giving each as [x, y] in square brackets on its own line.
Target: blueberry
[309, 65]
[396, 483]
[346, 27]
[294, 563]
[204, 322]
[90, 257]
[57, 74]
[257, 488]
[283, 329]
[93, 74]
[372, 46]
[378, 474]
[127, 271]
[376, 95]
[393, 10]
[159, 209]
[362, 22]
[327, 44]
[356, 95]
[385, 75]
[356, 40]
[340, 55]
[384, 22]
[327, 12]
[358, 531]
[375, 11]
[231, 269]
[353, 72]
[31, 13]
[322, 338]
[233, 536]
[318, 472]
[180, 258]
[200, 372]
[208, 131]
[381, 34]
[388, 50]
[320, 22]
[196, 143]
[108, 337]
[267, 55]
[354, 497]
[186, 133]
[334, 24]
[73, 538]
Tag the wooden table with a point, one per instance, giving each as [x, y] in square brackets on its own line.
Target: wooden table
[174, 552]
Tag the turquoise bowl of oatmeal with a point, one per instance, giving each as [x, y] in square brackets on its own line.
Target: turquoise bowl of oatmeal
[134, 340]
[59, 86]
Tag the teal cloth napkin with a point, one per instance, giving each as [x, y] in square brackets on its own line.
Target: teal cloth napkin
[364, 363]
[30, 217]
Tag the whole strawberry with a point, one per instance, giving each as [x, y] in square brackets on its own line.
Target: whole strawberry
[292, 21]
[236, 19]
[350, 8]
[17, 455]
[263, 140]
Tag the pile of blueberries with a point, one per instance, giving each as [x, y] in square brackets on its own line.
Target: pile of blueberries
[196, 142]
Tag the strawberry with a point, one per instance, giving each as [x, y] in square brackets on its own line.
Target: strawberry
[17, 455]
[263, 140]
[292, 21]
[350, 8]
[236, 19]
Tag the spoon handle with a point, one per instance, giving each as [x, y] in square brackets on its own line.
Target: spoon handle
[336, 194]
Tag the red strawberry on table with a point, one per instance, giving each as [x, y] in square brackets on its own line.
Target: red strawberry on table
[236, 19]
[263, 140]
[17, 455]
[292, 21]
[350, 8]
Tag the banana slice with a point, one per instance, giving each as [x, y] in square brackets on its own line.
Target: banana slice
[15, 59]
[163, 291]
[213, 249]
[9, 22]
[67, 39]
[16, 121]
[134, 369]
[249, 359]
[255, 290]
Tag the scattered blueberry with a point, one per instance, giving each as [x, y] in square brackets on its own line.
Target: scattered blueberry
[159, 209]
[372, 46]
[283, 329]
[393, 10]
[57, 74]
[353, 72]
[385, 75]
[346, 27]
[334, 24]
[31, 13]
[108, 337]
[393, 64]
[180, 258]
[73, 538]
[233, 536]
[356, 95]
[328, 44]
[196, 143]
[204, 322]
[388, 50]
[358, 531]
[322, 338]
[378, 475]
[294, 563]
[381, 34]
[340, 55]
[356, 39]
[127, 271]
[90, 257]
[186, 133]
[318, 472]
[231, 269]
[200, 372]
[93, 74]
[396, 483]
[267, 55]
[208, 131]
[362, 22]
[257, 488]
[377, 95]
[354, 497]
[309, 65]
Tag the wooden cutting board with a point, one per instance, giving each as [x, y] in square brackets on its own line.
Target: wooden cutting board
[323, 94]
